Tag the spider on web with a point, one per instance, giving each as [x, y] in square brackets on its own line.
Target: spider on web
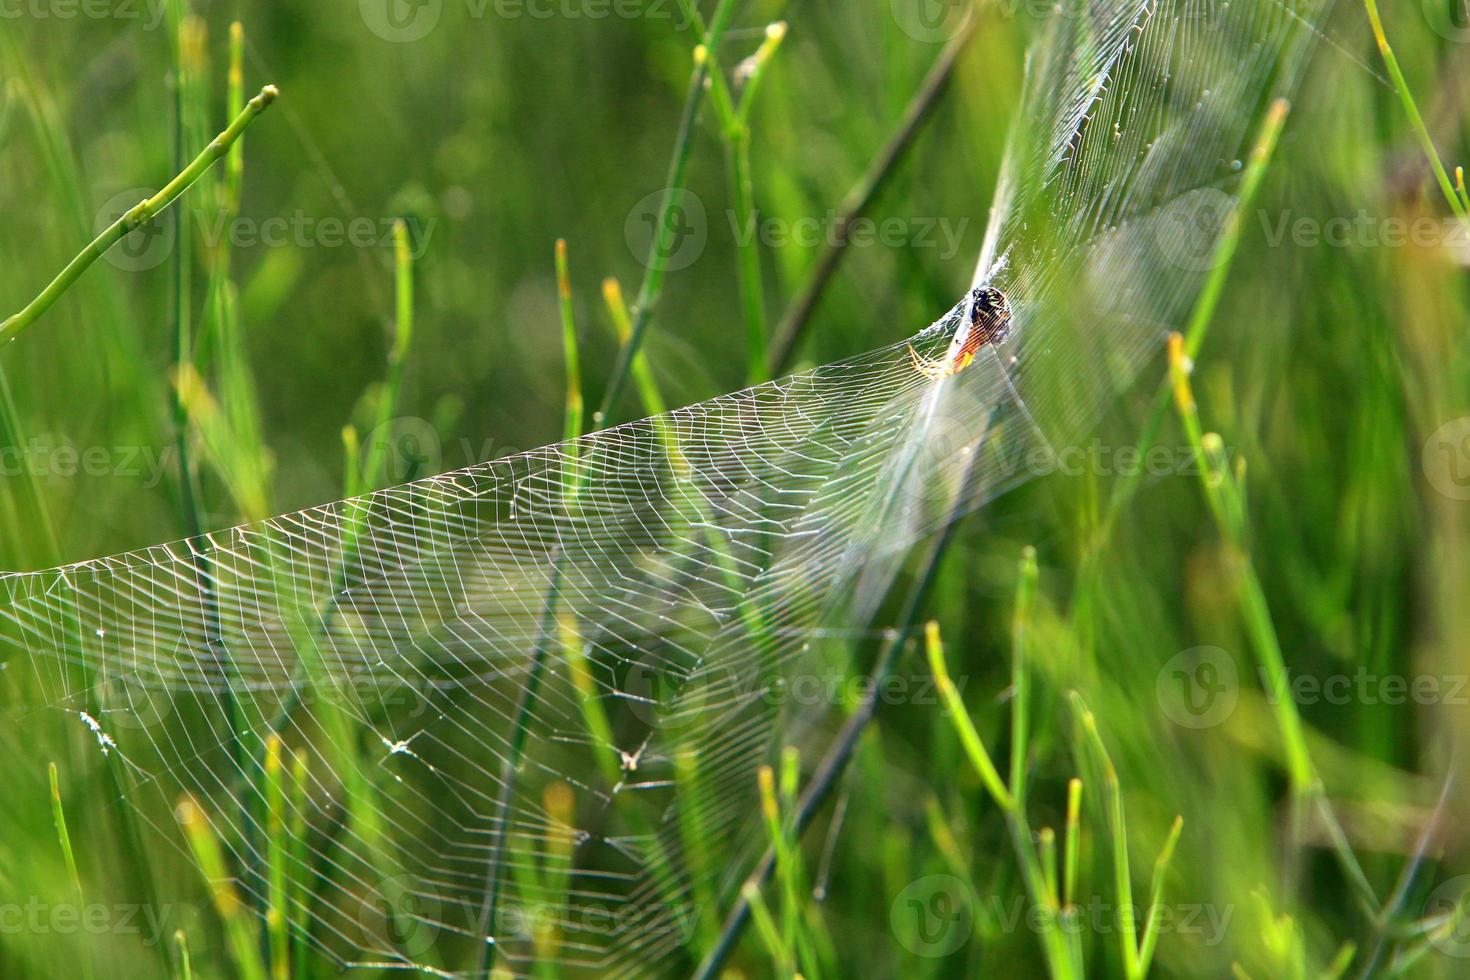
[990, 324]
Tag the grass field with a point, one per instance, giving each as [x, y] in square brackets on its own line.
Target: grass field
[1255, 668]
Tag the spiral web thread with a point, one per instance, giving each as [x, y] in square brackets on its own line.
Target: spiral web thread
[521, 705]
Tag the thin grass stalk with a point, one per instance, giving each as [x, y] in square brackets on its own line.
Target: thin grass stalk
[736, 126]
[298, 896]
[959, 718]
[136, 216]
[572, 478]
[1072, 846]
[277, 907]
[573, 427]
[1118, 829]
[1041, 885]
[244, 949]
[1411, 109]
[181, 945]
[1154, 922]
[1203, 314]
[1046, 842]
[653, 277]
[1020, 679]
[829, 770]
[398, 349]
[794, 321]
[63, 836]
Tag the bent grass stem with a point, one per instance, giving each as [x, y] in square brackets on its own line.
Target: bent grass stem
[136, 216]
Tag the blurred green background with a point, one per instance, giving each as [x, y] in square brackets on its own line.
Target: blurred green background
[1337, 372]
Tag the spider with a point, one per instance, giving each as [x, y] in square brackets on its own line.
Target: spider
[990, 324]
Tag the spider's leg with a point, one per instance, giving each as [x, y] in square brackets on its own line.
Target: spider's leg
[932, 367]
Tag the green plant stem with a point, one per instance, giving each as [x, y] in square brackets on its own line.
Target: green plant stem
[1072, 846]
[1391, 62]
[1154, 922]
[653, 276]
[735, 125]
[573, 427]
[186, 967]
[58, 816]
[139, 214]
[835, 762]
[960, 718]
[1204, 309]
[1117, 826]
[1020, 680]
[227, 903]
[397, 354]
[794, 322]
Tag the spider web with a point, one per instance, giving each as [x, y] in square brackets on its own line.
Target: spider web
[521, 705]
